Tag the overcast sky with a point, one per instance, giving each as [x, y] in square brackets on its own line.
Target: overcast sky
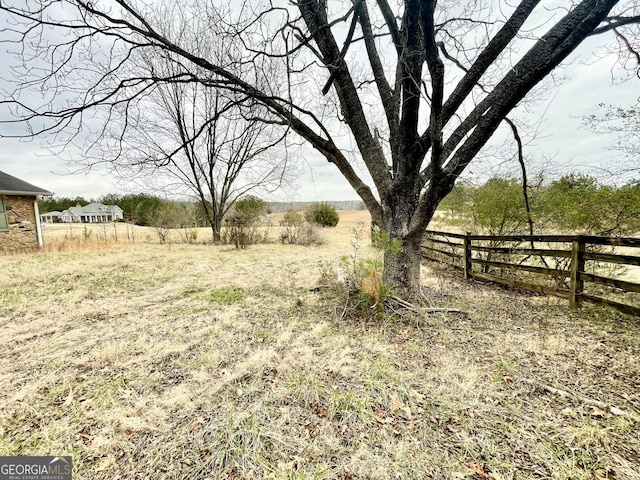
[561, 137]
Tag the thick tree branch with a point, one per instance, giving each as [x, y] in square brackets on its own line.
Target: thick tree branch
[343, 52]
[615, 22]
[546, 54]
[487, 57]
[315, 17]
[436, 71]
[388, 97]
[390, 19]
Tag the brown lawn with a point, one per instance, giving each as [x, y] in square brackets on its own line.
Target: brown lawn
[194, 361]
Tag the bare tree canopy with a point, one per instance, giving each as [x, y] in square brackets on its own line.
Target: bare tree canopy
[412, 89]
[624, 123]
[202, 142]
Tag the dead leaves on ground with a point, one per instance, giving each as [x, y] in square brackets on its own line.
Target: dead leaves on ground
[480, 470]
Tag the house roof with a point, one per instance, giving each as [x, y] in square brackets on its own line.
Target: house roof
[14, 186]
[92, 209]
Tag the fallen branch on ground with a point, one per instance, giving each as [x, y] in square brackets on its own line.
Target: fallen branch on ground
[589, 401]
[319, 287]
[397, 301]
[409, 306]
[444, 310]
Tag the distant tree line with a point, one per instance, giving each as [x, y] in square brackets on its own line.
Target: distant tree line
[148, 210]
[139, 208]
[59, 204]
[243, 225]
[571, 204]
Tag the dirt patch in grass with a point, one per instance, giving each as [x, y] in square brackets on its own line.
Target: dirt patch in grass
[198, 361]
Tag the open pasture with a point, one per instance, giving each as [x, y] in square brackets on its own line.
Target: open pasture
[194, 361]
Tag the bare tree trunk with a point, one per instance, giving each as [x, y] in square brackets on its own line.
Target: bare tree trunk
[215, 220]
[402, 267]
[216, 227]
[402, 256]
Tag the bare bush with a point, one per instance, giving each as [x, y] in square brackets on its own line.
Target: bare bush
[295, 230]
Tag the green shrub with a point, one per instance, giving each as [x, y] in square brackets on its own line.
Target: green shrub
[498, 207]
[250, 208]
[323, 215]
[243, 221]
[574, 203]
[581, 204]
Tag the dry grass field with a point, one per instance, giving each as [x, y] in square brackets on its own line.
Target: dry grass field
[194, 361]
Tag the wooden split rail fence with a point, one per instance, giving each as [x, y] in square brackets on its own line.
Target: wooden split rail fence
[591, 269]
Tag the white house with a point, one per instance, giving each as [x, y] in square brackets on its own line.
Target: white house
[92, 213]
[50, 217]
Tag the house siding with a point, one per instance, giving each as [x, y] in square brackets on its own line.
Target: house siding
[92, 213]
[21, 216]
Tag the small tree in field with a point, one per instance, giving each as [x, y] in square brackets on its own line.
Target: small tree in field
[498, 207]
[215, 147]
[291, 224]
[323, 215]
[168, 216]
[242, 222]
[457, 206]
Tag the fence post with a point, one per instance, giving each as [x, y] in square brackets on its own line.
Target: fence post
[468, 272]
[577, 266]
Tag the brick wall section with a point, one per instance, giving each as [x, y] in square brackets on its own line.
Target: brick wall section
[22, 234]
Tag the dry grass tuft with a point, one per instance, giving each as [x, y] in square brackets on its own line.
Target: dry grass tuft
[199, 361]
[371, 286]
